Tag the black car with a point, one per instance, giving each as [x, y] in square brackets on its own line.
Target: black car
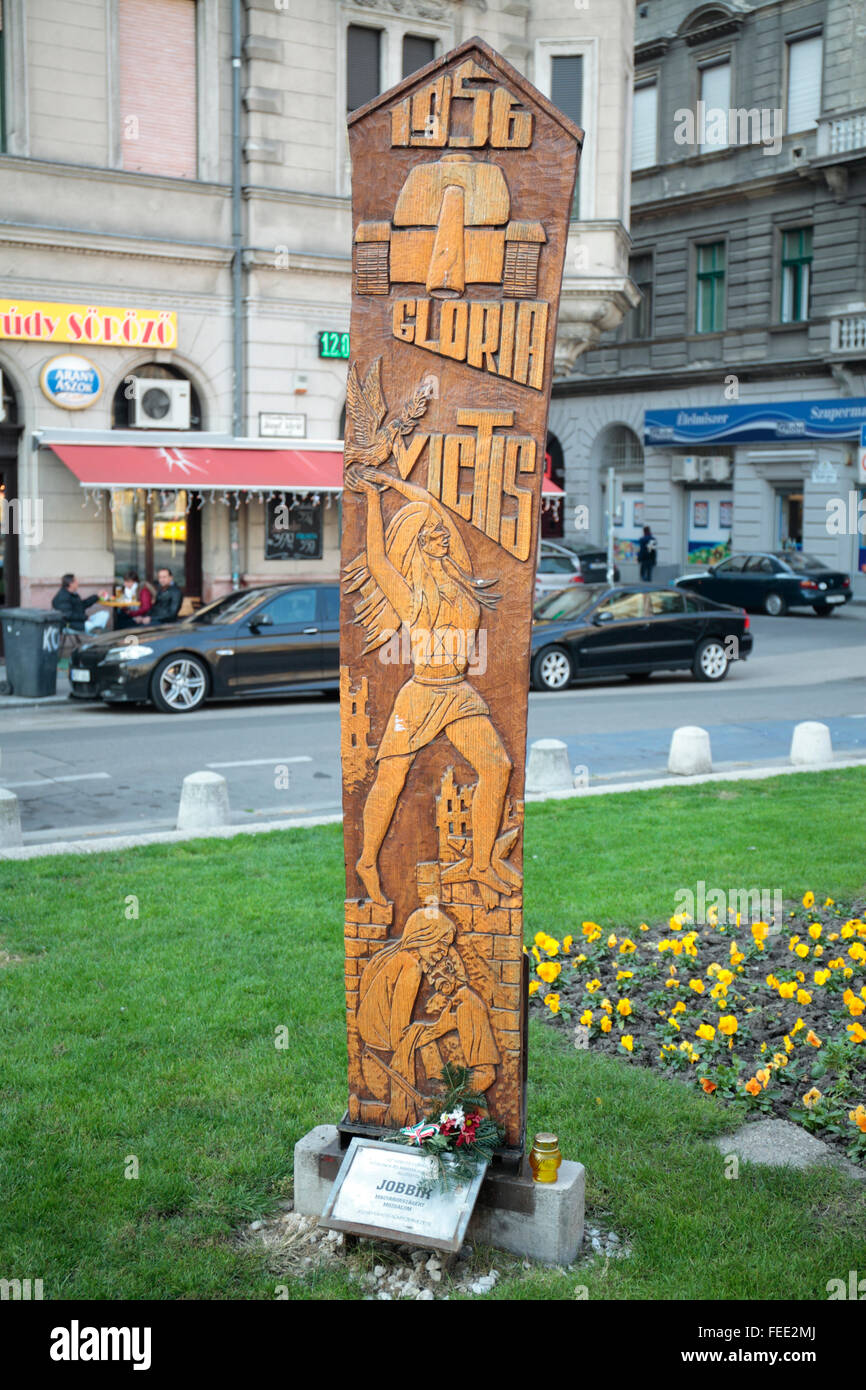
[772, 583]
[633, 630]
[265, 641]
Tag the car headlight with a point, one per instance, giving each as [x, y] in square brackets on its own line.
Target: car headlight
[130, 651]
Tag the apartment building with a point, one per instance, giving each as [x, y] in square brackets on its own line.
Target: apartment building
[175, 271]
[731, 401]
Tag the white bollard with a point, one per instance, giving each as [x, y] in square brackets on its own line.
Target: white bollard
[10, 820]
[690, 751]
[204, 802]
[811, 743]
[548, 769]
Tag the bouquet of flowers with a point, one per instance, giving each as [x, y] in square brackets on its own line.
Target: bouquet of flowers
[458, 1133]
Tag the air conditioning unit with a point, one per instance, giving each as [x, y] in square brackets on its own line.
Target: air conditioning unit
[714, 469]
[684, 469]
[158, 404]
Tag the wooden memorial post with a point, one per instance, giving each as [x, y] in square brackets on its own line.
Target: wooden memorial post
[462, 179]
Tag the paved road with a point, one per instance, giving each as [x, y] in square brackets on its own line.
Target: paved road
[84, 770]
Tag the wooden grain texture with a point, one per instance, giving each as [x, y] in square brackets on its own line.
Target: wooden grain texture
[462, 184]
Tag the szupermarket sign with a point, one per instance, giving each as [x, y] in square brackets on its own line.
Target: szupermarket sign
[29, 321]
[755, 423]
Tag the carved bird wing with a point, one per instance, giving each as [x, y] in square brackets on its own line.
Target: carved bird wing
[373, 391]
[362, 411]
[372, 609]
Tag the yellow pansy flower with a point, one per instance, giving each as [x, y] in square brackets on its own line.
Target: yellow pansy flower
[586, 1017]
[803, 996]
[697, 986]
[809, 899]
[606, 1024]
[811, 1097]
[623, 1008]
[706, 1031]
[728, 1025]
[548, 971]
[552, 1002]
[627, 1041]
[534, 986]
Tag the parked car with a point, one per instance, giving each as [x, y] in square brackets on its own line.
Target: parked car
[772, 583]
[633, 630]
[563, 562]
[267, 641]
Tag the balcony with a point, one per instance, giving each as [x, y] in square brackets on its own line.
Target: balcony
[842, 135]
[848, 333]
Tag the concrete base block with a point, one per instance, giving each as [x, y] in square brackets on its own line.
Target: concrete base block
[548, 768]
[10, 820]
[540, 1221]
[690, 751]
[204, 802]
[811, 743]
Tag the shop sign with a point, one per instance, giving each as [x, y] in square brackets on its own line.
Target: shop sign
[29, 321]
[751, 424]
[71, 382]
[861, 458]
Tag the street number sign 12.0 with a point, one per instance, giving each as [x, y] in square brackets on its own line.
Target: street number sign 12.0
[333, 344]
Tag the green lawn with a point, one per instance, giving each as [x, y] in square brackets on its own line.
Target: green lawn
[153, 1037]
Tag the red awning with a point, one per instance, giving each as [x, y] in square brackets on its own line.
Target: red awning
[203, 468]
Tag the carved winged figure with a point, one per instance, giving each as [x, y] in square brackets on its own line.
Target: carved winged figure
[372, 442]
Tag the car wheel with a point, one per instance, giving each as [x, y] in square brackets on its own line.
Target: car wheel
[775, 605]
[824, 609]
[180, 684]
[552, 669]
[711, 661]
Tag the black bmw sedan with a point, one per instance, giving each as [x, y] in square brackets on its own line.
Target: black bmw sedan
[265, 641]
[772, 583]
[633, 630]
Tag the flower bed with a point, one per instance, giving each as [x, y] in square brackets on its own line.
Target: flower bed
[773, 1014]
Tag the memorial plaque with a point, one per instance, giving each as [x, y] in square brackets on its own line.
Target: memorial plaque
[389, 1191]
[463, 177]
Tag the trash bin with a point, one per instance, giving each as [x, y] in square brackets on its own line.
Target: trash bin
[31, 641]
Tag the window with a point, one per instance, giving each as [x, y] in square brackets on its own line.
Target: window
[732, 566]
[805, 60]
[760, 564]
[151, 529]
[796, 274]
[363, 61]
[294, 606]
[638, 322]
[623, 606]
[555, 564]
[715, 93]
[332, 605]
[644, 130]
[710, 299]
[158, 88]
[566, 92]
[666, 601]
[417, 53]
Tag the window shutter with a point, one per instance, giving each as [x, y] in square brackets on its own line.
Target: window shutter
[566, 92]
[362, 65]
[644, 127]
[157, 86]
[716, 96]
[417, 53]
[567, 85]
[804, 83]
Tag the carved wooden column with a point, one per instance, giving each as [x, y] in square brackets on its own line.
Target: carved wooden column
[462, 184]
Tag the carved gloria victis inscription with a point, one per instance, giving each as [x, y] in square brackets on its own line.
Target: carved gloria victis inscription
[462, 184]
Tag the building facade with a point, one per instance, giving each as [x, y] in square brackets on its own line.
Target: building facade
[731, 401]
[176, 264]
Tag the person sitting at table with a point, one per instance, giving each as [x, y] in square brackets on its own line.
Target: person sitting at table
[139, 596]
[74, 608]
[166, 605]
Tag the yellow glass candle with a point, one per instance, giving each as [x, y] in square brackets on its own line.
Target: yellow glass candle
[545, 1158]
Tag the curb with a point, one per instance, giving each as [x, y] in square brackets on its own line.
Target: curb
[112, 843]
